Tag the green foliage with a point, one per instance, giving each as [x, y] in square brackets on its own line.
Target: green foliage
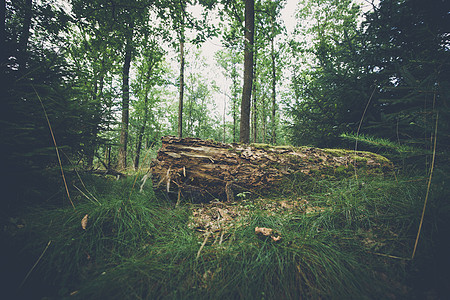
[116, 226]
[383, 78]
[137, 246]
[395, 151]
[330, 84]
[379, 82]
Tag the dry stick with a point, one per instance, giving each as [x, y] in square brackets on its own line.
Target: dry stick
[428, 187]
[56, 147]
[360, 123]
[179, 197]
[87, 197]
[390, 256]
[35, 264]
[81, 180]
[203, 245]
[221, 237]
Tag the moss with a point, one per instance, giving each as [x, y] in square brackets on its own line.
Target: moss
[340, 169]
[360, 159]
[360, 155]
[283, 147]
[338, 152]
[260, 146]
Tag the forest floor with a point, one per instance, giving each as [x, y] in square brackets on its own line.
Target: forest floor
[346, 238]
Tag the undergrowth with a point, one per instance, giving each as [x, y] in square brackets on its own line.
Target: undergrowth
[349, 239]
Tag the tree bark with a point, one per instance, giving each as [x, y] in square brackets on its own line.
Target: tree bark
[274, 103]
[254, 110]
[181, 92]
[235, 101]
[122, 163]
[248, 71]
[208, 169]
[141, 134]
[224, 114]
[144, 122]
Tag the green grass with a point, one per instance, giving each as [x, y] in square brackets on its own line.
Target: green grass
[143, 247]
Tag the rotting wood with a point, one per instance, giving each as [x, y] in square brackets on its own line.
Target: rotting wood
[209, 169]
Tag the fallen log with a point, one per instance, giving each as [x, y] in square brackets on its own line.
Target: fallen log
[216, 170]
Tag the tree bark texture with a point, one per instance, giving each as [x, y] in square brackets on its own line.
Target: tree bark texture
[274, 97]
[210, 170]
[248, 71]
[141, 133]
[254, 109]
[144, 120]
[235, 105]
[180, 100]
[122, 163]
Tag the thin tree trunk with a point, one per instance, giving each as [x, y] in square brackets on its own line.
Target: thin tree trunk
[224, 112]
[108, 156]
[122, 164]
[141, 133]
[144, 123]
[98, 96]
[90, 148]
[180, 103]
[264, 114]
[254, 110]
[274, 83]
[190, 122]
[234, 100]
[248, 71]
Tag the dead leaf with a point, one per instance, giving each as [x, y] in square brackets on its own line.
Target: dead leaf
[264, 231]
[84, 222]
[276, 239]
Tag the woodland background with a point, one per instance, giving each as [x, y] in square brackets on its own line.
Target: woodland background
[102, 76]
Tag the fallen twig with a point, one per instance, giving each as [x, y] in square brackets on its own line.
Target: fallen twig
[203, 244]
[35, 264]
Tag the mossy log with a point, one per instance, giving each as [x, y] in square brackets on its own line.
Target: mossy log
[217, 170]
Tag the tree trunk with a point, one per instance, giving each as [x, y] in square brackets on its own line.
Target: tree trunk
[190, 121]
[141, 133]
[248, 71]
[144, 122]
[207, 169]
[234, 100]
[264, 119]
[180, 101]
[122, 163]
[224, 114]
[254, 110]
[274, 103]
